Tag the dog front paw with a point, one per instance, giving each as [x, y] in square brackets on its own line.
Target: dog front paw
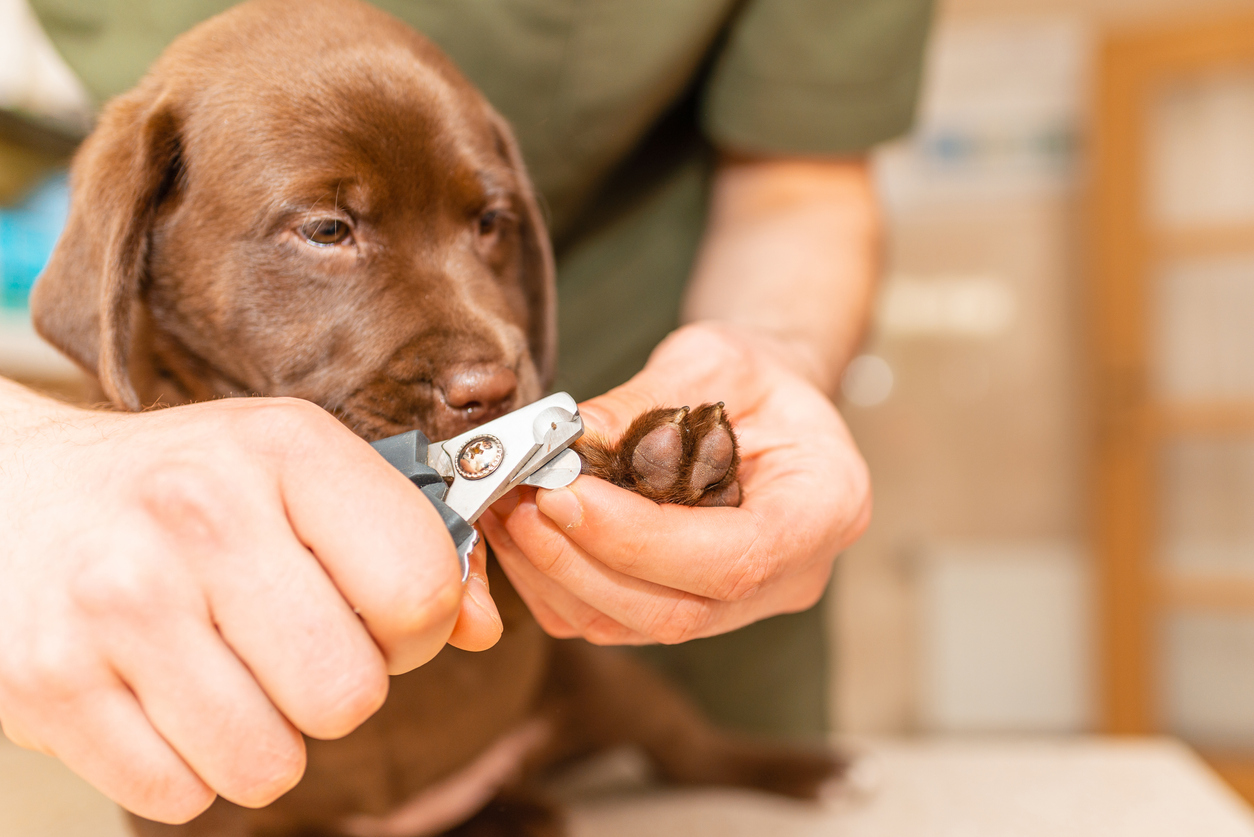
[682, 456]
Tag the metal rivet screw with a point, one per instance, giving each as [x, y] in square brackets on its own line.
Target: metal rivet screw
[480, 457]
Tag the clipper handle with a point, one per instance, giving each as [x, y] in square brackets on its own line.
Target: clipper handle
[407, 453]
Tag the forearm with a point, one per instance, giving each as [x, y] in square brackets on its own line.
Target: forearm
[791, 249]
[23, 409]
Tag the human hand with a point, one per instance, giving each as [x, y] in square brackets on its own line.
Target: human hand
[183, 592]
[599, 562]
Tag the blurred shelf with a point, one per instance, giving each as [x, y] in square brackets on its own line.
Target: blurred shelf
[1205, 418]
[1218, 240]
[1215, 592]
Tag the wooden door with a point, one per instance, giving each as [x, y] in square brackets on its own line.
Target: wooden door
[1172, 316]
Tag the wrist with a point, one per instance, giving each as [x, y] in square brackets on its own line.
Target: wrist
[789, 352]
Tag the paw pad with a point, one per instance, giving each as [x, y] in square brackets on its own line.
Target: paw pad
[682, 456]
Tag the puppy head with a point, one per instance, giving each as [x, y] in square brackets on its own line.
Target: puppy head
[307, 200]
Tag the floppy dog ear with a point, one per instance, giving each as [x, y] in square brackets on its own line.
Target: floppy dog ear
[539, 276]
[86, 300]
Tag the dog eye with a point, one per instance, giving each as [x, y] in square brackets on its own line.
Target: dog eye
[494, 221]
[490, 221]
[325, 232]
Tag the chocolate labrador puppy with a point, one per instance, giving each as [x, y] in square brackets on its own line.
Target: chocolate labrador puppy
[307, 199]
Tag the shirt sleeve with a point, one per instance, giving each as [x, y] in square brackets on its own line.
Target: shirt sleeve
[109, 44]
[816, 76]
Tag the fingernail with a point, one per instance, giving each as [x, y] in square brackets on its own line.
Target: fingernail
[477, 591]
[562, 506]
[502, 507]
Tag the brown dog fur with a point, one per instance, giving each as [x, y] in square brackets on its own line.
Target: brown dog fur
[307, 199]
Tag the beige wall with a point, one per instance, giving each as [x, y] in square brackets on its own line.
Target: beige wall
[979, 441]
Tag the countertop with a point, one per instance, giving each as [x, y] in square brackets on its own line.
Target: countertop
[910, 788]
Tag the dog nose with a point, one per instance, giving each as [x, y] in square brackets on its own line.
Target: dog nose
[479, 388]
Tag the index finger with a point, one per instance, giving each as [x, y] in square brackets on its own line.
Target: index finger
[382, 544]
[805, 497]
[717, 553]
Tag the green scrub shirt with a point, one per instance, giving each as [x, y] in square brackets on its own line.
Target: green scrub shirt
[618, 106]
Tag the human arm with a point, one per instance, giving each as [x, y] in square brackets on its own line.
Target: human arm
[185, 591]
[791, 252]
[776, 305]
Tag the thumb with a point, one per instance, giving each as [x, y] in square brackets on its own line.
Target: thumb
[698, 363]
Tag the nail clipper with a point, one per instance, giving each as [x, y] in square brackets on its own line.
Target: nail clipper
[464, 475]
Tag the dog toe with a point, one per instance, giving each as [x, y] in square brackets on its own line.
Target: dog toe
[713, 455]
[682, 456]
[658, 457]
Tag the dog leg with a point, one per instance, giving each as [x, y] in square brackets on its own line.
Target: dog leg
[515, 813]
[221, 820]
[608, 698]
[687, 457]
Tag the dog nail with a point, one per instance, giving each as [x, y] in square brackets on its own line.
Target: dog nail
[562, 506]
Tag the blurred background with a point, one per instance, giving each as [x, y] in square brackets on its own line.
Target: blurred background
[1057, 402]
[1057, 397]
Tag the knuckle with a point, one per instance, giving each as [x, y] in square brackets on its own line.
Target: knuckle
[745, 575]
[284, 413]
[173, 796]
[190, 502]
[127, 587]
[634, 555]
[557, 628]
[362, 691]
[549, 562]
[417, 605]
[672, 634]
[286, 425]
[277, 772]
[686, 619]
[49, 669]
[603, 630]
[600, 636]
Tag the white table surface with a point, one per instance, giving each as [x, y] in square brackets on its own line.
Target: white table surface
[925, 788]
